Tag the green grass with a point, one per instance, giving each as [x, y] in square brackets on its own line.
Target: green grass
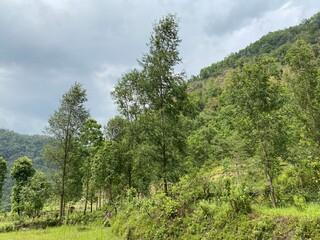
[62, 233]
[311, 211]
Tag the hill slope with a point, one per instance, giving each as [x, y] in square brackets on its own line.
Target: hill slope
[274, 44]
[209, 84]
[225, 193]
[14, 145]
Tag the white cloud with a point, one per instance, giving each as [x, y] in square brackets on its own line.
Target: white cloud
[103, 82]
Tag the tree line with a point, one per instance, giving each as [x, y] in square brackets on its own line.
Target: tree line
[261, 126]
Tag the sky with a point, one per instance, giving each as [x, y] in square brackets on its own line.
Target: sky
[48, 45]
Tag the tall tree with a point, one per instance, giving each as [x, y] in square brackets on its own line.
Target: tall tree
[3, 171]
[64, 126]
[128, 96]
[304, 83]
[91, 139]
[21, 172]
[255, 92]
[303, 79]
[165, 96]
[106, 168]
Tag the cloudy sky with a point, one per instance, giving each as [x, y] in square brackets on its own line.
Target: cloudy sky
[47, 45]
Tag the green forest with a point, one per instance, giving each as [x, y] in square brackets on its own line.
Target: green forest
[232, 153]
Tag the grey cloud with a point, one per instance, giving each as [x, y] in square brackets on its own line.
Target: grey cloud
[236, 14]
[47, 45]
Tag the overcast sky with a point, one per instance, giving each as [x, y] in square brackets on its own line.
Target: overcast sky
[47, 45]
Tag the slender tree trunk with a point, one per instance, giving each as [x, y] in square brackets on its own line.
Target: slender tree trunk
[86, 198]
[164, 158]
[100, 197]
[64, 171]
[62, 193]
[110, 191]
[272, 194]
[130, 176]
[268, 169]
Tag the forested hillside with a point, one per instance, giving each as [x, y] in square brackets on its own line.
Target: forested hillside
[274, 44]
[252, 147]
[14, 145]
[230, 154]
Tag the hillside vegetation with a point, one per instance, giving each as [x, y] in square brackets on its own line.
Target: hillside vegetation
[14, 145]
[231, 154]
[254, 169]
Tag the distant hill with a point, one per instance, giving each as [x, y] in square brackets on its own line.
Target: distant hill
[274, 44]
[209, 83]
[14, 145]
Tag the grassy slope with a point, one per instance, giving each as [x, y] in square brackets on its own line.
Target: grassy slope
[61, 233]
[198, 208]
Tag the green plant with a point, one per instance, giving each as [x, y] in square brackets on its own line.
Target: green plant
[239, 199]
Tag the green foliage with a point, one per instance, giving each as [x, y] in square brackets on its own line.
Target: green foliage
[239, 199]
[190, 213]
[13, 146]
[66, 232]
[35, 194]
[275, 44]
[256, 95]
[21, 172]
[81, 219]
[3, 171]
[89, 142]
[308, 228]
[161, 174]
[64, 126]
[165, 95]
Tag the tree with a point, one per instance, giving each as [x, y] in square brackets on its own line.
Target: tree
[119, 133]
[21, 172]
[91, 139]
[3, 171]
[64, 126]
[106, 168]
[128, 96]
[165, 97]
[152, 101]
[35, 193]
[304, 83]
[303, 80]
[255, 93]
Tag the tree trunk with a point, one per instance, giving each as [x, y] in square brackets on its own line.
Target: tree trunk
[272, 195]
[86, 198]
[267, 166]
[64, 171]
[164, 158]
[110, 191]
[99, 199]
[62, 193]
[130, 176]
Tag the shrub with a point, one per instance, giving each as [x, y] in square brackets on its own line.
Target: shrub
[239, 199]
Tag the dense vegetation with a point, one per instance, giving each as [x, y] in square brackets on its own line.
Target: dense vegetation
[232, 154]
[13, 146]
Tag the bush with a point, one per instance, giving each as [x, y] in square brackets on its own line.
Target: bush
[80, 218]
[308, 228]
[239, 199]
